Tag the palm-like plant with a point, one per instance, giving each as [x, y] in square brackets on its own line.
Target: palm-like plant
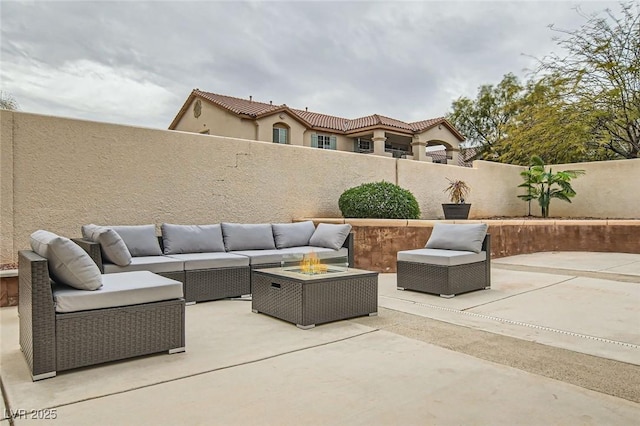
[457, 190]
[544, 185]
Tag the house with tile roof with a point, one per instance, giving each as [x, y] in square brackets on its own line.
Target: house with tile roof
[210, 113]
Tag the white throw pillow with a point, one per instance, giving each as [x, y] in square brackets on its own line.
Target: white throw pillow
[464, 237]
[113, 247]
[68, 263]
[330, 235]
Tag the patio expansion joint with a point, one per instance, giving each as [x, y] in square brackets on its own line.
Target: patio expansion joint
[520, 323]
[518, 294]
[611, 276]
[213, 370]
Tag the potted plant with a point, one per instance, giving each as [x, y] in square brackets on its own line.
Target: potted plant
[457, 209]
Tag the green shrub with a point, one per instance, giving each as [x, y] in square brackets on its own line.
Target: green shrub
[381, 200]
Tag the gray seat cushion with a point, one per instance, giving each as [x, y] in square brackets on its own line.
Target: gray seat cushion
[193, 261]
[322, 252]
[261, 257]
[180, 239]
[292, 234]
[239, 236]
[124, 289]
[147, 263]
[441, 257]
[463, 237]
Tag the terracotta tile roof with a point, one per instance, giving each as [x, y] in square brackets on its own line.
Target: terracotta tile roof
[322, 120]
[238, 105]
[256, 109]
[419, 126]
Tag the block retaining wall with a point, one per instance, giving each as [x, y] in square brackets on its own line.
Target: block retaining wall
[378, 240]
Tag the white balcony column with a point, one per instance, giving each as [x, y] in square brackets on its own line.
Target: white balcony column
[419, 149]
[378, 142]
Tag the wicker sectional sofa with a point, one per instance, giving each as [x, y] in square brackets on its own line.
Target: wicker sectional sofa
[120, 292]
[214, 261]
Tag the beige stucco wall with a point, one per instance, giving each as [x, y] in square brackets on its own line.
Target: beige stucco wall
[436, 134]
[492, 190]
[218, 121]
[58, 174]
[70, 172]
[6, 186]
[609, 189]
[265, 128]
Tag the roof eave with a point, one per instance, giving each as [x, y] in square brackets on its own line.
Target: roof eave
[380, 127]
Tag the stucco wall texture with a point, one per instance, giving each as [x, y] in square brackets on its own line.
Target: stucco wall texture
[60, 173]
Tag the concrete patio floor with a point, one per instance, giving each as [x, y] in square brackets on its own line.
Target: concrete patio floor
[555, 341]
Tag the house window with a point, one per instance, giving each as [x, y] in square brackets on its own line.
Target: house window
[364, 145]
[280, 134]
[323, 141]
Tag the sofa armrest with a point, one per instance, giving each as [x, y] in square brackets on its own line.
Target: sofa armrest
[348, 244]
[36, 310]
[93, 249]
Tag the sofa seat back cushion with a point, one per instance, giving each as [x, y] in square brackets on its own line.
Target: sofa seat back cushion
[157, 264]
[214, 260]
[68, 263]
[239, 236]
[141, 240]
[112, 245]
[463, 237]
[123, 289]
[179, 239]
[330, 235]
[441, 257]
[292, 234]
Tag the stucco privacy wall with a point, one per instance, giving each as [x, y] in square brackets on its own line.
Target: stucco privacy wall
[609, 189]
[6, 187]
[493, 187]
[59, 173]
[70, 172]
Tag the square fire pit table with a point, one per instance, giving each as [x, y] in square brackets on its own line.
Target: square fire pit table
[307, 299]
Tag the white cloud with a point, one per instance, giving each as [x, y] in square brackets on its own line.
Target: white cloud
[90, 90]
[136, 62]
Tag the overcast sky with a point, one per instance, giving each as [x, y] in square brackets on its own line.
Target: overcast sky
[136, 62]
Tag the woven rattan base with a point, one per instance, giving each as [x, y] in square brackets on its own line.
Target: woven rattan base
[213, 284]
[445, 281]
[103, 335]
[310, 302]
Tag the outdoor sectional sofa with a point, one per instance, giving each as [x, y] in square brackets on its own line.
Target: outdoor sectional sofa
[213, 261]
